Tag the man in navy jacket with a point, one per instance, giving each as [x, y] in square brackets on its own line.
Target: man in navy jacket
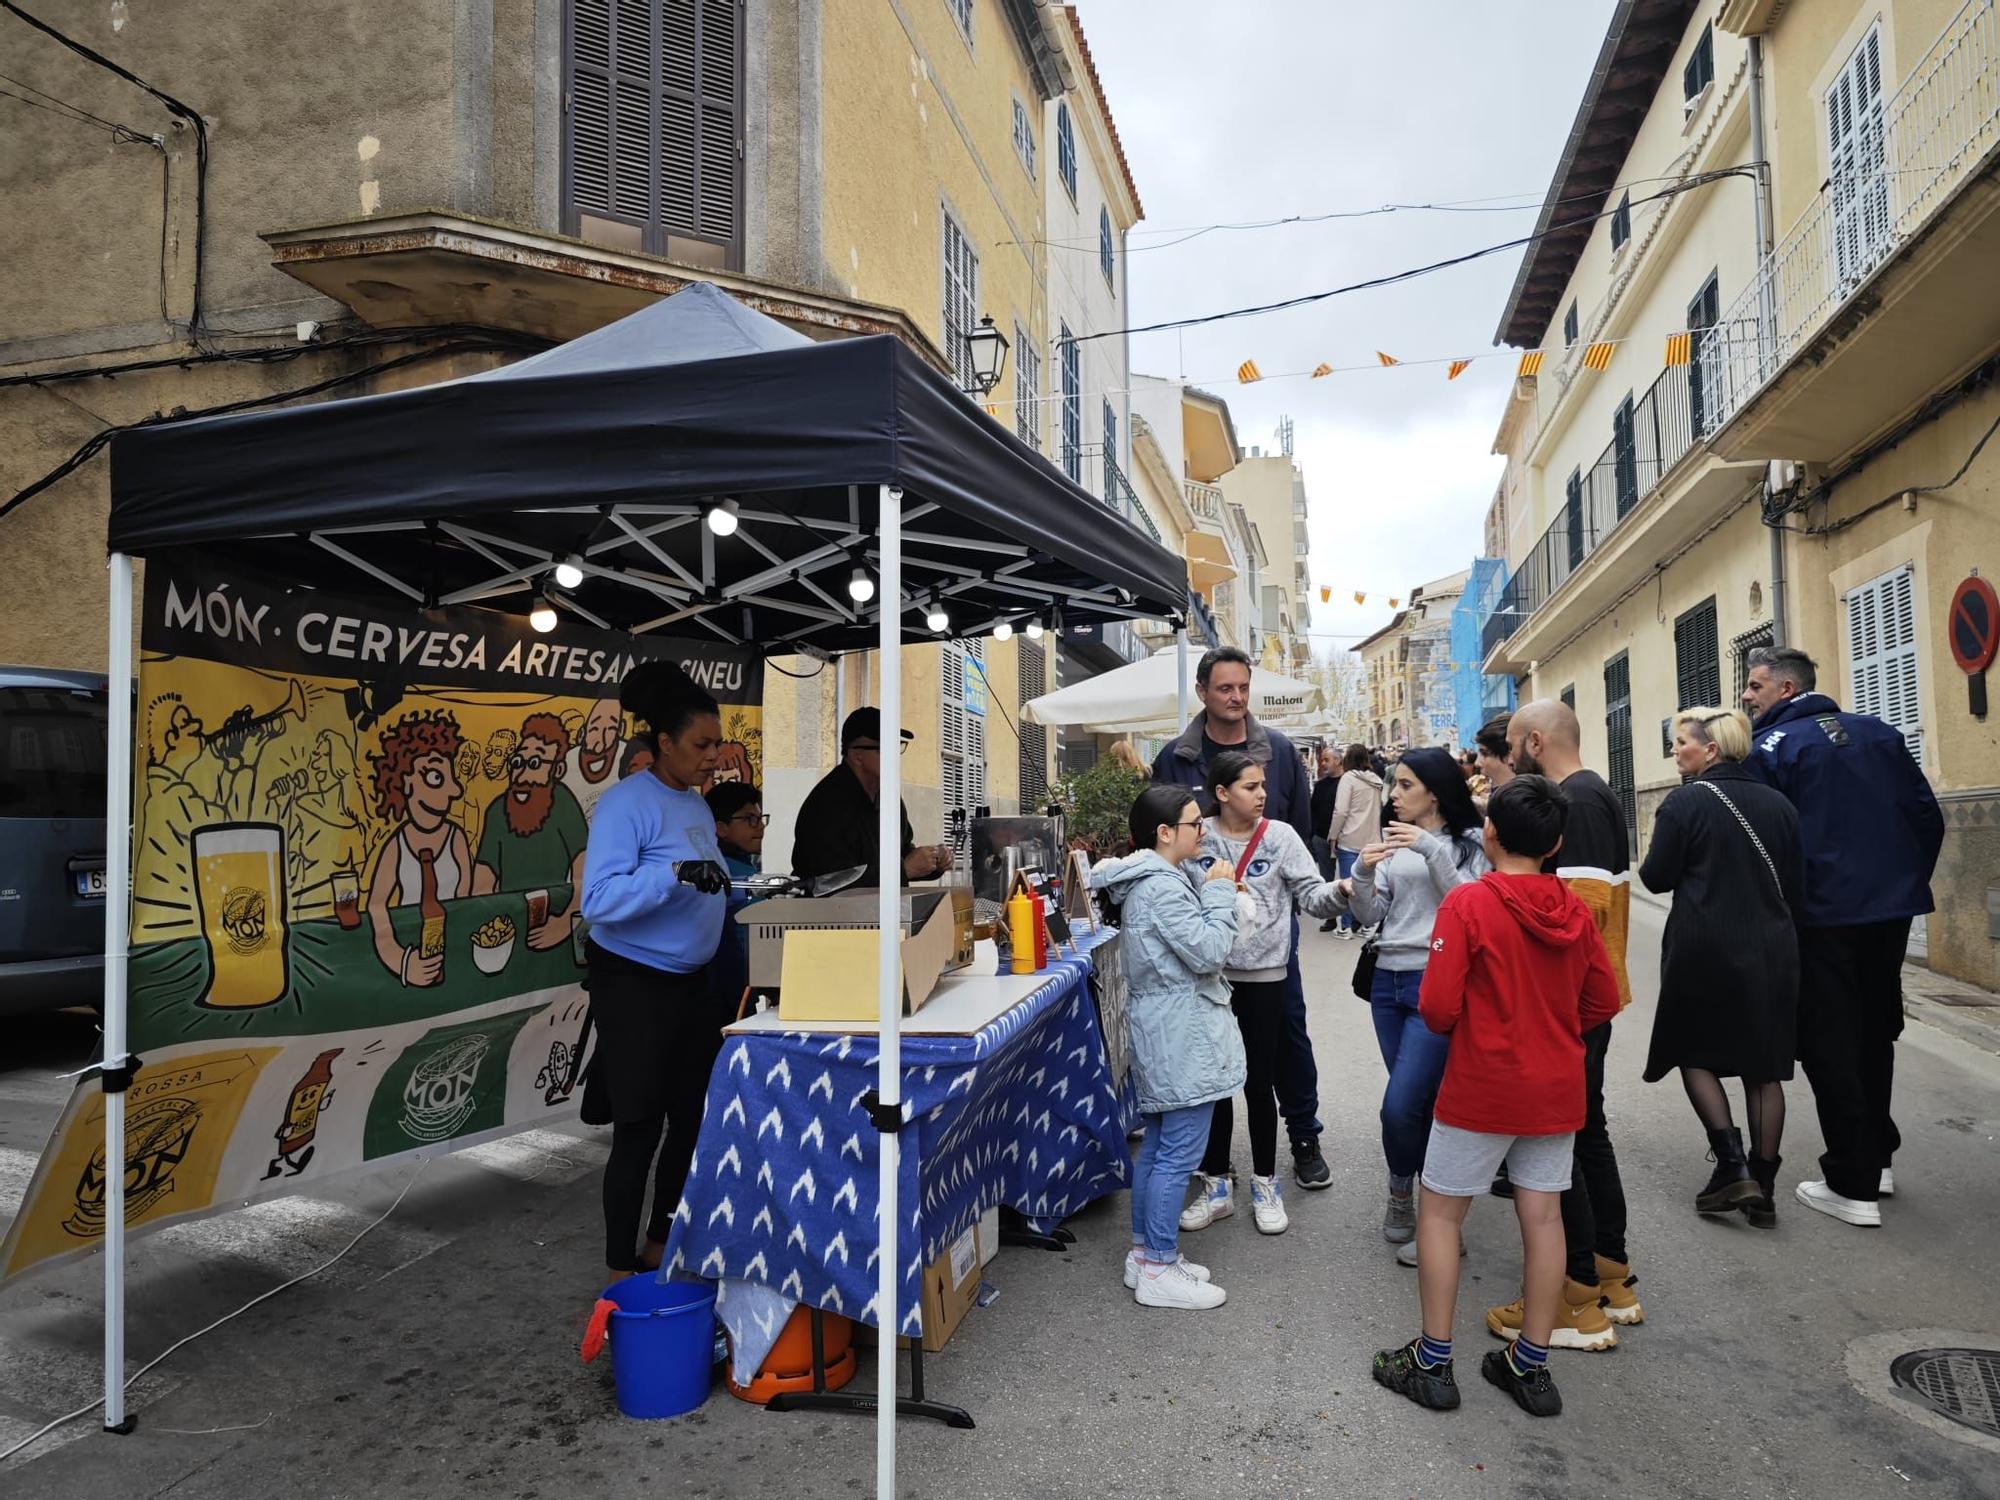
[1222, 682]
[1871, 831]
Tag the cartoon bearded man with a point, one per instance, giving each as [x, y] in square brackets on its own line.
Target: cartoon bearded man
[593, 766]
[535, 833]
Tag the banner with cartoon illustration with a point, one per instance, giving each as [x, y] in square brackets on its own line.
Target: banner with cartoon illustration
[358, 839]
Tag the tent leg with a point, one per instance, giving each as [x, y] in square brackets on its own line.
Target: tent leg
[889, 1064]
[1180, 661]
[117, 918]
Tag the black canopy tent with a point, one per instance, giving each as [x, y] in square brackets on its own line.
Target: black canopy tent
[607, 454]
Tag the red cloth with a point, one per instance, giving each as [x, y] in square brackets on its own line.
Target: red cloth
[1517, 974]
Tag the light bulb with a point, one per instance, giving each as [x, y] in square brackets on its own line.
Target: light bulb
[722, 518]
[569, 573]
[937, 619]
[542, 618]
[861, 588]
[1004, 631]
[1034, 630]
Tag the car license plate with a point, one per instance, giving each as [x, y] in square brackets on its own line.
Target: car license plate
[90, 882]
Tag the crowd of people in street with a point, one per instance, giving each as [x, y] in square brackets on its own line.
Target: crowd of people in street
[1492, 891]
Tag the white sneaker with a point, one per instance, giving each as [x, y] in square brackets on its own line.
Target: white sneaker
[1406, 1254]
[1215, 1200]
[1267, 1205]
[1888, 1187]
[1199, 1273]
[1176, 1286]
[1848, 1210]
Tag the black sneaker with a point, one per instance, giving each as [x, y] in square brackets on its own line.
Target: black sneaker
[1503, 1185]
[1535, 1392]
[1435, 1387]
[1309, 1166]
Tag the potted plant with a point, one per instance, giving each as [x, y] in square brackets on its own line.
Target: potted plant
[1097, 807]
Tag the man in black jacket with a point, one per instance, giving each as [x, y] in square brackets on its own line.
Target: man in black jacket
[1222, 682]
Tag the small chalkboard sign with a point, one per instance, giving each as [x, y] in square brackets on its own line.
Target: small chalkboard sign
[1058, 923]
[1076, 891]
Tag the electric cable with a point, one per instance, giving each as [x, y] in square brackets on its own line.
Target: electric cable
[84, 1411]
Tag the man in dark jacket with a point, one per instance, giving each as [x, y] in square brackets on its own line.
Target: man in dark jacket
[1222, 682]
[1871, 830]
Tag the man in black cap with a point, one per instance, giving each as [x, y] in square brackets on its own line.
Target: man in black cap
[836, 828]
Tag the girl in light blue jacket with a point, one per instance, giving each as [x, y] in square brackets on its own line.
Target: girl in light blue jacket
[1186, 1049]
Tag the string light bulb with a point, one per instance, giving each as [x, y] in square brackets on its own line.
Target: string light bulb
[542, 618]
[1034, 630]
[723, 518]
[936, 617]
[569, 572]
[1004, 631]
[860, 587]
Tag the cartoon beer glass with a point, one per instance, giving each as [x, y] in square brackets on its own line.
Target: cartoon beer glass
[240, 896]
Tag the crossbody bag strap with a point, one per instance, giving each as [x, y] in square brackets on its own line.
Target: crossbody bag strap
[1762, 853]
[1250, 849]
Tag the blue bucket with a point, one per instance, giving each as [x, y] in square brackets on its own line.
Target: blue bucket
[662, 1336]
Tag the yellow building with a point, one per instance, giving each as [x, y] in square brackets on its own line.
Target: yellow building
[1807, 470]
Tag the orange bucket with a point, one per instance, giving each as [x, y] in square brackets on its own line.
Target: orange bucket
[788, 1367]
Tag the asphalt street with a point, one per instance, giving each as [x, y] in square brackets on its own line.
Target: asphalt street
[439, 1356]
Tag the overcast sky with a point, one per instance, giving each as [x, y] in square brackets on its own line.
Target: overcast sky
[1259, 109]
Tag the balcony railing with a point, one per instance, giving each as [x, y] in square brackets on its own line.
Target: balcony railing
[1121, 497]
[1644, 448]
[1899, 168]
[1206, 501]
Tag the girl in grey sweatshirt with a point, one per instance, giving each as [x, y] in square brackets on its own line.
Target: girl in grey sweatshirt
[1275, 878]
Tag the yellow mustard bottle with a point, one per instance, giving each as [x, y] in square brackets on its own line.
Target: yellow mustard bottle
[1021, 931]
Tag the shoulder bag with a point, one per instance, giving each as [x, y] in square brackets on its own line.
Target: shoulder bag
[1722, 796]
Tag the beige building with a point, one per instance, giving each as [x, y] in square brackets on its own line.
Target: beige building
[1271, 489]
[1826, 486]
[1385, 679]
[1193, 436]
[492, 181]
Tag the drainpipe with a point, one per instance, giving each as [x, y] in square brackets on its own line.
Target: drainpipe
[1766, 242]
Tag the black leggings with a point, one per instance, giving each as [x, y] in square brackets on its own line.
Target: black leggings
[632, 1148]
[1260, 1012]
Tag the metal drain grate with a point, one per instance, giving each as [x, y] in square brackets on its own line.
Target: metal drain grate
[1963, 1384]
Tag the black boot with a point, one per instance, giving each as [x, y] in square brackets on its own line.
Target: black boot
[1732, 1183]
[1761, 1212]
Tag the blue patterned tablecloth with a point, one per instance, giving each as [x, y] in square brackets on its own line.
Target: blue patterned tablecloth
[781, 1203]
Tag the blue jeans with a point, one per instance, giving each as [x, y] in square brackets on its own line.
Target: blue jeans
[1415, 1057]
[1166, 1158]
[1344, 861]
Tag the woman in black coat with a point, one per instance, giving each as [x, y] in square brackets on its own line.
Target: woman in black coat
[1727, 846]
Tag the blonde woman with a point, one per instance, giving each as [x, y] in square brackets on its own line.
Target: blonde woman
[1727, 846]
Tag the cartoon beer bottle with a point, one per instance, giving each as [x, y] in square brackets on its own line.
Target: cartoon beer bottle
[431, 943]
[310, 1097]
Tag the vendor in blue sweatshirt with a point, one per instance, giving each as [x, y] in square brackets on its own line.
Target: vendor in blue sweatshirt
[654, 892]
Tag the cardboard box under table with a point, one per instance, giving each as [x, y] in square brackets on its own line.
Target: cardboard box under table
[1008, 1101]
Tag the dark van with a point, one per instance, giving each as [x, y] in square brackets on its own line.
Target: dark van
[52, 757]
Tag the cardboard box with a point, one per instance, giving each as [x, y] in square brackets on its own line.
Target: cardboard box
[831, 962]
[950, 1287]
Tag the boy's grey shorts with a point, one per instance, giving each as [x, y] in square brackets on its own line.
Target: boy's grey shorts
[1461, 1163]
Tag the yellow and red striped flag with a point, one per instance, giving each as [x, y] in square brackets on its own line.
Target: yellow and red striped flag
[1247, 372]
[1387, 359]
[1530, 366]
[1457, 368]
[1321, 369]
[1679, 348]
[1598, 356]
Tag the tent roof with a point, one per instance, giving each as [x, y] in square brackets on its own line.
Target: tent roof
[610, 448]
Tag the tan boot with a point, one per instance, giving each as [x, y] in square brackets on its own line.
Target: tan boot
[1621, 1303]
[1580, 1321]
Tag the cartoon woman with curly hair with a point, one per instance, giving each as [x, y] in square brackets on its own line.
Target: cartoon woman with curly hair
[415, 784]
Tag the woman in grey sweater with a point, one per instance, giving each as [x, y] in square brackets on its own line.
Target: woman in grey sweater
[1398, 880]
[1276, 876]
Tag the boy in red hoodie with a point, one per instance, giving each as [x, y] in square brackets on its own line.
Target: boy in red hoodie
[1517, 974]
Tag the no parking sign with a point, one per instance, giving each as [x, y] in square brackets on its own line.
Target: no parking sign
[1975, 633]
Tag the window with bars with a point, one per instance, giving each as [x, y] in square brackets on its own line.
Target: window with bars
[1573, 516]
[961, 299]
[1027, 389]
[1621, 222]
[962, 738]
[1072, 405]
[1882, 665]
[1697, 662]
[1625, 456]
[1066, 149]
[1618, 736]
[1034, 737]
[1704, 312]
[1107, 256]
[1700, 70]
[652, 124]
[1110, 461]
[1024, 136]
[1740, 648]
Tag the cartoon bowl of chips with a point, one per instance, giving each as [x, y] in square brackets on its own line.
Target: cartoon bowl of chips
[493, 944]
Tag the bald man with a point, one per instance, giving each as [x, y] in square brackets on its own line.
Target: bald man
[1544, 739]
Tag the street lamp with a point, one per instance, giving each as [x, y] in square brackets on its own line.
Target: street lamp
[988, 348]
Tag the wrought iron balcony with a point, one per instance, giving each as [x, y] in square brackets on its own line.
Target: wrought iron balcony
[1894, 173]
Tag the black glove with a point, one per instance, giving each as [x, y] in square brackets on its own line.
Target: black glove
[705, 875]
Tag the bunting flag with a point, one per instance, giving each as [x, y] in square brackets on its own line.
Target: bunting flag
[1360, 598]
[1321, 369]
[1531, 365]
[1387, 359]
[1247, 372]
[1395, 604]
[1457, 368]
[1325, 594]
[1598, 356]
[1679, 348]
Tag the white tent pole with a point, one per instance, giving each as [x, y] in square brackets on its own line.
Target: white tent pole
[117, 921]
[1181, 655]
[889, 1065]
